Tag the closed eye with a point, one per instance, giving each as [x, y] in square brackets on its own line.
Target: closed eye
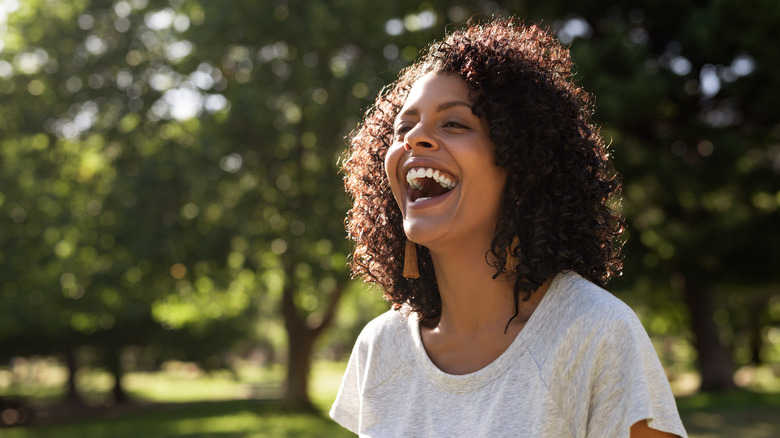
[402, 129]
[454, 124]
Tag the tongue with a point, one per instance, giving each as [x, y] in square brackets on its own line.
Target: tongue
[430, 189]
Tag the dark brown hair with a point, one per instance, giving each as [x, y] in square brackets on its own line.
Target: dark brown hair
[560, 198]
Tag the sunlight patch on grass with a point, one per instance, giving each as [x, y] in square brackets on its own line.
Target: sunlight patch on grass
[163, 387]
[325, 382]
[44, 380]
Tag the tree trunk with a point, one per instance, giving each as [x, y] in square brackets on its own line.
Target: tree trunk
[758, 320]
[71, 393]
[300, 345]
[115, 365]
[714, 358]
[301, 336]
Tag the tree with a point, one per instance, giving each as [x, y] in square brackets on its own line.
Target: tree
[701, 178]
[98, 181]
[203, 139]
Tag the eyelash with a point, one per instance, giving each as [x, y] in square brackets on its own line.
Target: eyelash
[403, 129]
[454, 124]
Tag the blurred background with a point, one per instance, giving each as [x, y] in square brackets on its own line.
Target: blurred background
[172, 252]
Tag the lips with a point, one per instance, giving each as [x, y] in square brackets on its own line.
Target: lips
[424, 183]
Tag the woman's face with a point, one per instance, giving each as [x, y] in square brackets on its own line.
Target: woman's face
[441, 165]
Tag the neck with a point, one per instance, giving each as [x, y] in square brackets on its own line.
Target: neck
[472, 329]
[472, 301]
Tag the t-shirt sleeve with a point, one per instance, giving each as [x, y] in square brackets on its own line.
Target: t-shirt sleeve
[377, 354]
[626, 383]
[346, 408]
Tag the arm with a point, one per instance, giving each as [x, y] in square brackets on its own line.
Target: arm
[640, 429]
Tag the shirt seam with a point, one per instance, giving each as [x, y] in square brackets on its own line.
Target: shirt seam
[556, 400]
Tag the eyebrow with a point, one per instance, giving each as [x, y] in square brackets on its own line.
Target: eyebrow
[441, 107]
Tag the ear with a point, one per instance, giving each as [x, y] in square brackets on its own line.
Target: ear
[512, 259]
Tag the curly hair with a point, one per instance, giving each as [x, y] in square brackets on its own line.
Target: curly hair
[561, 199]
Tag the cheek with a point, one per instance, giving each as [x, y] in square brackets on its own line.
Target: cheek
[499, 182]
[492, 177]
[392, 161]
[500, 178]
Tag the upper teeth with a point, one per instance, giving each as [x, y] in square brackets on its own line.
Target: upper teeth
[413, 176]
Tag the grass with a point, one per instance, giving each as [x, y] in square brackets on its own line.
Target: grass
[182, 402]
[43, 380]
[735, 413]
[242, 418]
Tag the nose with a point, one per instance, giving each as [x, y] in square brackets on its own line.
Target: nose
[419, 138]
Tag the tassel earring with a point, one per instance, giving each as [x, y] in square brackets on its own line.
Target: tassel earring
[410, 260]
[511, 261]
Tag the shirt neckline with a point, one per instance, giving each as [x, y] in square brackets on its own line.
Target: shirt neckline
[472, 381]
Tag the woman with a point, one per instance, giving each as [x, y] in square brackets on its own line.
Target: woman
[484, 207]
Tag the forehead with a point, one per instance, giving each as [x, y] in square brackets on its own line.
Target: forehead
[435, 87]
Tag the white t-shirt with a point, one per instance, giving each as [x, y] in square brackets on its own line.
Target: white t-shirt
[583, 366]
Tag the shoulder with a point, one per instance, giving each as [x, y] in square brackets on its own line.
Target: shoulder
[594, 345]
[385, 328]
[580, 303]
[583, 298]
[384, 345]
[583, 319]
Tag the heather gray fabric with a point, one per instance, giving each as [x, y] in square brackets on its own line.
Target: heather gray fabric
[583, 366]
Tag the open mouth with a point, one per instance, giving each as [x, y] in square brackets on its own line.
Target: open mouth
[426, 183]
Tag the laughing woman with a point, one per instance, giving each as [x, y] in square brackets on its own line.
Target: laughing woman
[483, 205]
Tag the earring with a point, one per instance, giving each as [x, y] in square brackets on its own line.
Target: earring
[410, 260]
[511, 261]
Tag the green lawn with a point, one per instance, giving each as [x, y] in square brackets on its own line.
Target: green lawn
[182, 403]
[738, 414]
[222, 419]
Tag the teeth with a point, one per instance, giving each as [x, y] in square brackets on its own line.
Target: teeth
[413, 176]
[422, 199]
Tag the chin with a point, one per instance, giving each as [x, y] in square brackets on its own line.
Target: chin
[421, 233]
